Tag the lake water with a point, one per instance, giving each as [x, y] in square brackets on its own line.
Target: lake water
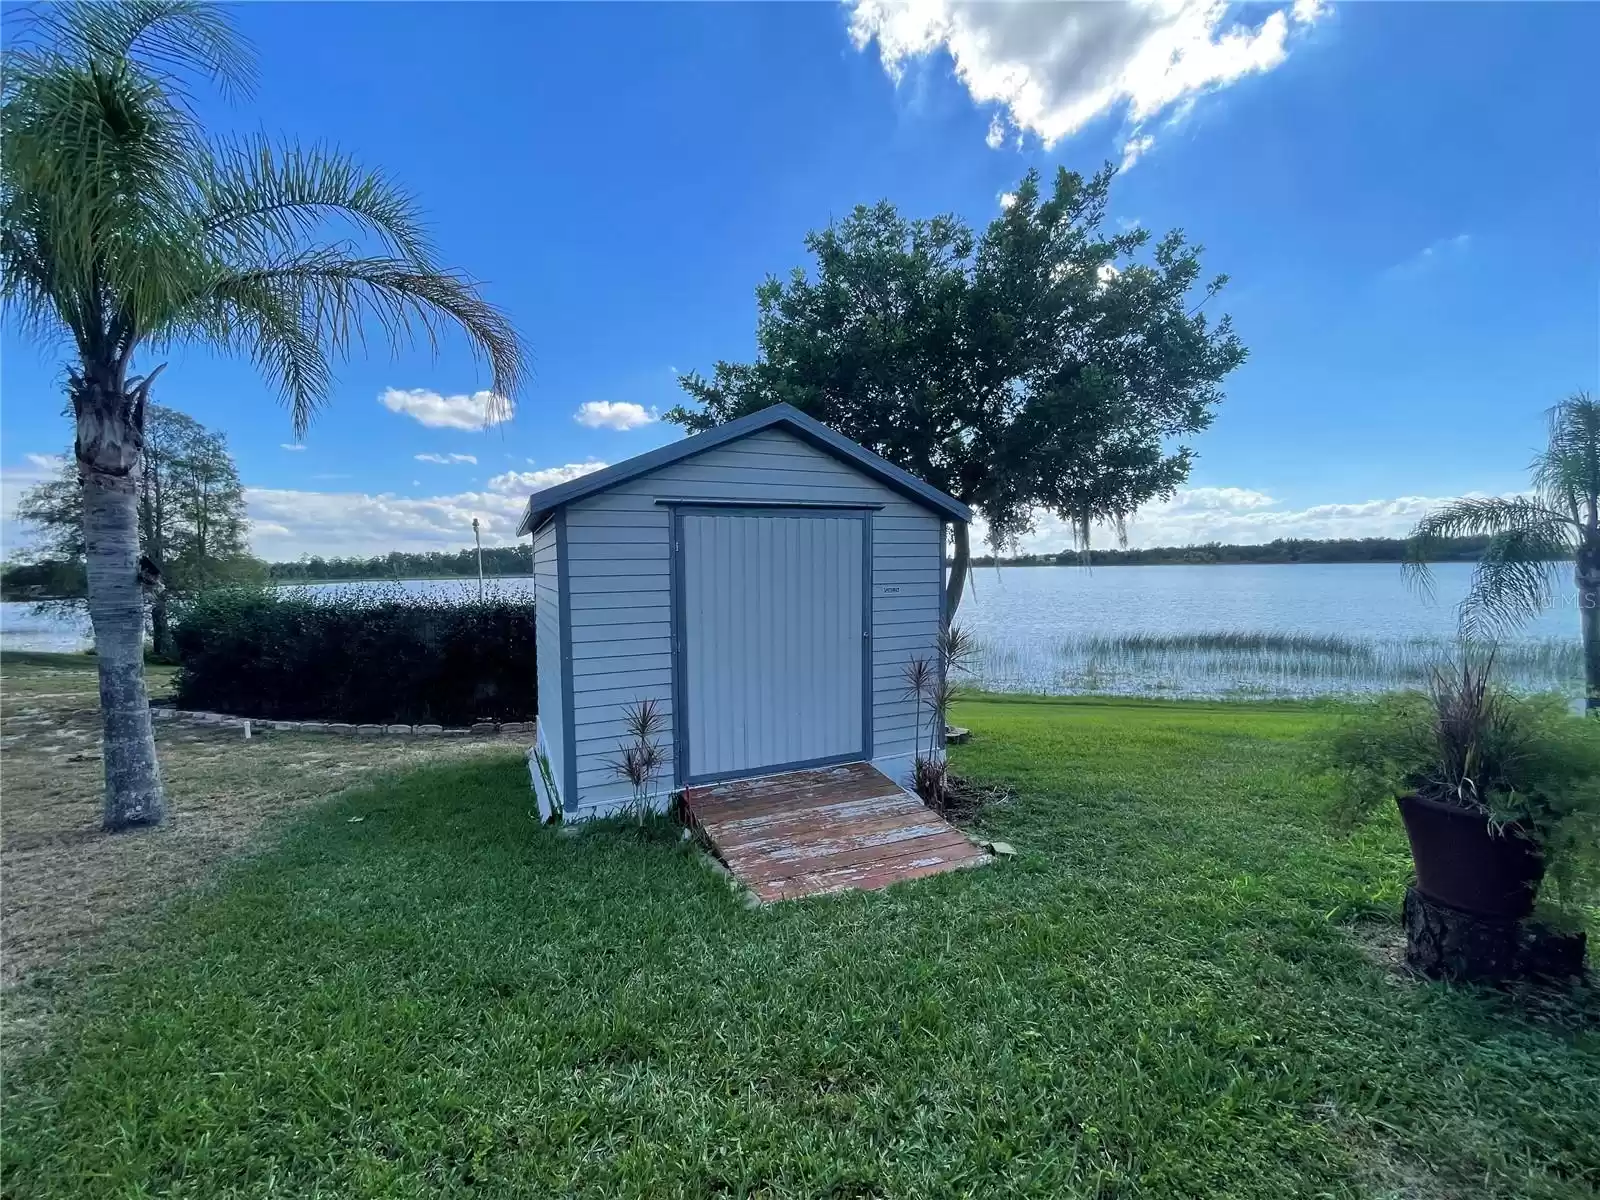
[1238, 630]
[1167, 630]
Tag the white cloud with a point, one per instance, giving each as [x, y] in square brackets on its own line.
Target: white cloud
[1007, 199]
[286, 523]
[477, 411]
[614, 414]
[447, 459]
[1053, 68]
[1242, 516]
[290, 446]
[35, 469]
[1435, 254]
[1134, 147]
[45, 465]
[996, 137]
[521, 483]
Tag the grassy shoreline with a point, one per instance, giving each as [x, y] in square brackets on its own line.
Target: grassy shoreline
[1184, 985]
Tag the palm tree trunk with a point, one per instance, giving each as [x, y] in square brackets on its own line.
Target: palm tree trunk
[960, 564]
[1588, 578]
[116, 610]
[110, 421]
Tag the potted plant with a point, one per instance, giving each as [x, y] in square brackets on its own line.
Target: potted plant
[1497, 791]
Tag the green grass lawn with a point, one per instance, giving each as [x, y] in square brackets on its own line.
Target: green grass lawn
[1177, 989]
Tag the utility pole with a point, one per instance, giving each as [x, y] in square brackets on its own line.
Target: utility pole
[478, 538]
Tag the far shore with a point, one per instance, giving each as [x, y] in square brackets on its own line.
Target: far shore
[977, 564]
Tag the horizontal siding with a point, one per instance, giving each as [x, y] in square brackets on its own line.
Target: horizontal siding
[905, 626]
[603, 737]
[649, 578]
[639, 650]
[912, 581]
[600, 658]
[620, 583]
[596, 604]
[611, 617]
[629, 676]
[631, 630]
[911, 636]
[598, 553]
[610, 702]
[602, 534]
[547, 647]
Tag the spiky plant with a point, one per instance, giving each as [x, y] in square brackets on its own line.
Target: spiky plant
[927, 679]
[1533, 539]
[642, 759]
[125, 230]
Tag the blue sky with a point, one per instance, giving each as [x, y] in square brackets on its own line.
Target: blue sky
[1404, 196]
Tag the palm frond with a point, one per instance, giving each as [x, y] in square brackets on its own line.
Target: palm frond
[174, 41]
[268, 324]
[93, 195]
[260, 201]
[334, 298]
[1514, 579]
[1475, 516]
[1567, 473]
[121, 225]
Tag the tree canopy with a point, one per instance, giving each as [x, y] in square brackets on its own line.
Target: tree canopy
[1047, 364]
[192, 522]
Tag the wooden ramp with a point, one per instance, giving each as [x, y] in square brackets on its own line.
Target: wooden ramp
[825, 830]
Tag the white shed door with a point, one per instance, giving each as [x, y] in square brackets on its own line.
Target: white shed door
[772, 640]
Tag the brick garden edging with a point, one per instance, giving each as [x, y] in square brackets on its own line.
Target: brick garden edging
[481, 729]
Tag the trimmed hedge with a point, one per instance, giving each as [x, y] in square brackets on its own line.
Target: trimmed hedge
[366, 656]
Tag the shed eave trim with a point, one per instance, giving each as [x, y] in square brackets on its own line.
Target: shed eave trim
[808, 429]
[830, 505]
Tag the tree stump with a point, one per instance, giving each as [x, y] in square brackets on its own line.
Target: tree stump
[1546, 953]
[1447, 943]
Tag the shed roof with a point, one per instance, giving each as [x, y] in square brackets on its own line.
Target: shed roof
[778, 416]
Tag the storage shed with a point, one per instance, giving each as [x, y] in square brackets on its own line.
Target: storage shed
[765, 582]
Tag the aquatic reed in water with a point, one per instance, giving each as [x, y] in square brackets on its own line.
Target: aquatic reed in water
[1251, 663]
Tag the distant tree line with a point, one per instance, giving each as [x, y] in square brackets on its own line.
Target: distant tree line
[1283, 550]
[53, 579]
[397, 564]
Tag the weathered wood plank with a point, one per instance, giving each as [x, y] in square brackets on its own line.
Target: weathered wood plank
[822, 857]
[821, 808]
[824, 830]
[868, 878]
[876, 820]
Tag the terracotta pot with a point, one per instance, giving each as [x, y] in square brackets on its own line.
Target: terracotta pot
[1462, 863]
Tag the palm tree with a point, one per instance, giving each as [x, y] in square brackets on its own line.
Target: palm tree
[124, 230]
[1532, 538]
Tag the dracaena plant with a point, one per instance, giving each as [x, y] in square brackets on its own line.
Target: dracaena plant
[126, 230]
[928, 681]
[642, 760]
